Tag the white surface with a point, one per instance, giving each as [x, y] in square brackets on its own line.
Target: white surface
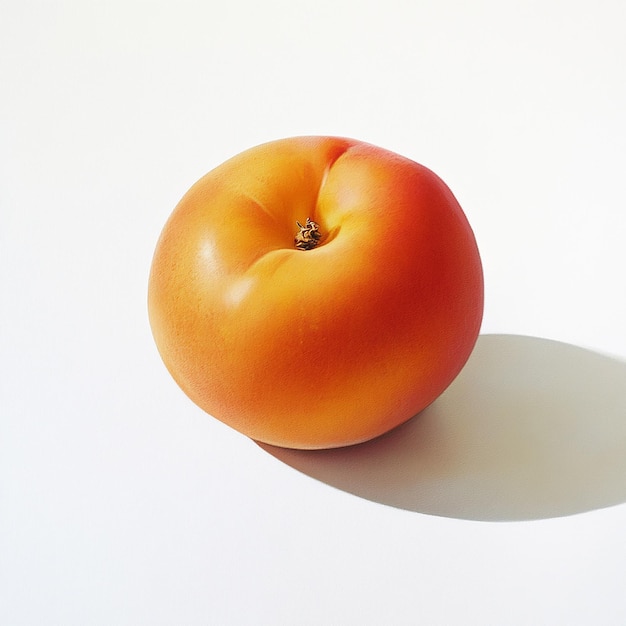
[120, 501]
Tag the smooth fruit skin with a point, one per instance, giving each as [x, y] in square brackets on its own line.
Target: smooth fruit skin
[326, 347]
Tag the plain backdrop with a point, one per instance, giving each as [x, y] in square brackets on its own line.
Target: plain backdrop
[121, 503]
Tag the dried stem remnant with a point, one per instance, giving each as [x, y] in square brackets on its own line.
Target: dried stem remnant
[309, 235]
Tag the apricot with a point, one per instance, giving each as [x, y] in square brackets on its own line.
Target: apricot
[316, 292]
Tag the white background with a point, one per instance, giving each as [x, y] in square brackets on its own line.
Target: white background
[121, 503]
